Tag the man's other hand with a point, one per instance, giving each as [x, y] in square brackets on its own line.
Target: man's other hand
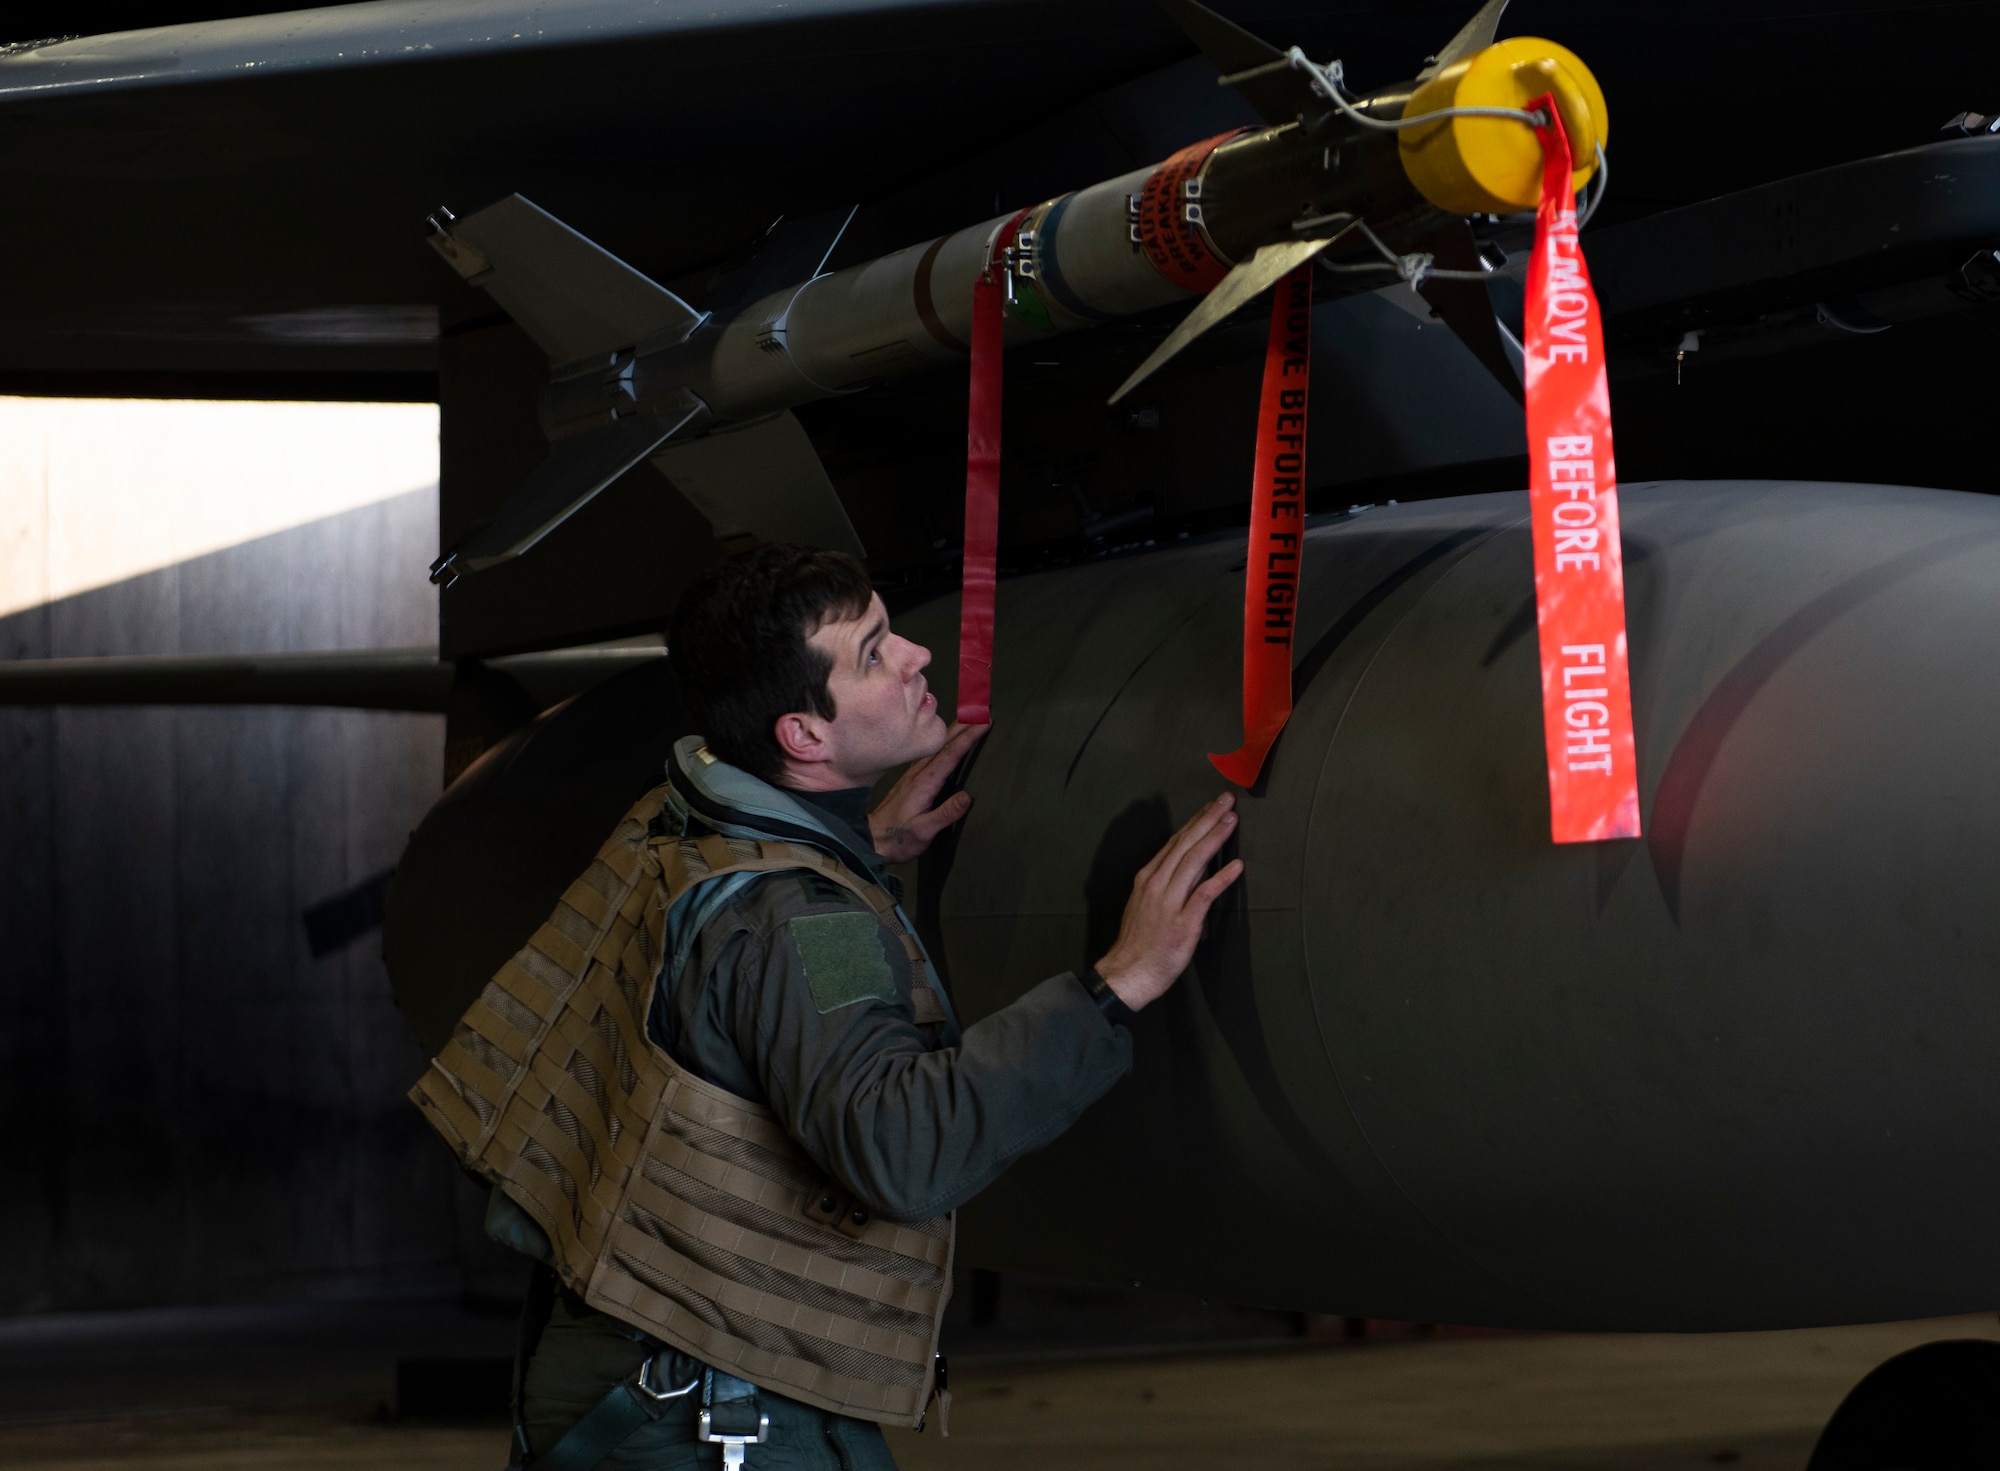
[911, 815]
[1170, 899]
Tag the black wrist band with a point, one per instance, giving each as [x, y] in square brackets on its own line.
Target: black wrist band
[1115, 1010]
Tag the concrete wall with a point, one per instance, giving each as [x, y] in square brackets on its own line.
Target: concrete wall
[197, 1108]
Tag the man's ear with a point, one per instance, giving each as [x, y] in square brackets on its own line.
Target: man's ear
[798, 736]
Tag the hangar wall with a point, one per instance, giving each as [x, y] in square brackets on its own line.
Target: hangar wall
[198, 1107]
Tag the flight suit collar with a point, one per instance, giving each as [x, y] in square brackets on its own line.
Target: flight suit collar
[846, 813]
[739, 805]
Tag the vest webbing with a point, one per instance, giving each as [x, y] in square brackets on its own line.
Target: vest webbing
[669, 1203]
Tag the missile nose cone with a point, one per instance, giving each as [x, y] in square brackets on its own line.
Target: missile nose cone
[1493, 165]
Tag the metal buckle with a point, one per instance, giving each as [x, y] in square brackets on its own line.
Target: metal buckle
[732, 1445]
[644, 1382]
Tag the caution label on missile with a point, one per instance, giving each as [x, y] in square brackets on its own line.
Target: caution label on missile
[1573, 499]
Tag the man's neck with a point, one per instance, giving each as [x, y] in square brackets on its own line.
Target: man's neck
[820, 777]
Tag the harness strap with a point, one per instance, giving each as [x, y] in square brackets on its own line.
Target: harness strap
[731, 1417]
[628, 1407]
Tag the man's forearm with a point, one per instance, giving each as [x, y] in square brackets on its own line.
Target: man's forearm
[918, 1133]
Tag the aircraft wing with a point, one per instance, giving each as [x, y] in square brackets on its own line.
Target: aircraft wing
[241, 202]
[414, 680]
[246, 195]
[249, 194]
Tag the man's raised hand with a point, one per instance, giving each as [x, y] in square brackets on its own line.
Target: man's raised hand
[1170, 899]
[911, 815]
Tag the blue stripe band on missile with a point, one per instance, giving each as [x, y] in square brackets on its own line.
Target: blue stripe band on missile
[1048, 269]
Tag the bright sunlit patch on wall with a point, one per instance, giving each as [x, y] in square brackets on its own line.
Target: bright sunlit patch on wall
[93, 491]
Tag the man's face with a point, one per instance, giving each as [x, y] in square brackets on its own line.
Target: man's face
[887, 713]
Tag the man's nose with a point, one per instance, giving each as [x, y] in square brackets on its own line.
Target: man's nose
[919, 657]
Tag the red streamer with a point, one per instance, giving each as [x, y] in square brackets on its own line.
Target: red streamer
[982, 492]
[1277, 530]
[1573, 501]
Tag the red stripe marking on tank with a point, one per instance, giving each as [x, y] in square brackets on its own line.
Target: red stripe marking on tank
[927, 311]
[1700, 745]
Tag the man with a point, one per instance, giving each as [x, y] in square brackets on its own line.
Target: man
[795, 1314]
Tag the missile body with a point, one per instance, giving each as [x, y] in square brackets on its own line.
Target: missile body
[1116, 249]
[1427, 1065]
[636, 372]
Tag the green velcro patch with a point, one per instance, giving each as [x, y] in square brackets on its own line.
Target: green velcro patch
[844, 959]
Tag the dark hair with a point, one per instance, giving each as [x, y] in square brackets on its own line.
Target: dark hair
[738, 644]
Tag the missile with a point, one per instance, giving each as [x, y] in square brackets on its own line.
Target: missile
[1426, 1065]
[637, 373]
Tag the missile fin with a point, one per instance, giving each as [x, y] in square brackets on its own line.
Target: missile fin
[1260, 71]
[1465, 307]
[1246, 280]
[576, 299]
[1475, 35]
[561, 486]
[764, 479]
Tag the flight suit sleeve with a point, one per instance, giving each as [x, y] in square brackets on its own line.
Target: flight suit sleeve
[824, 1017]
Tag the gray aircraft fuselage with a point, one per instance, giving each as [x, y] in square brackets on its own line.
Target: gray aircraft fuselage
[1427, 1065]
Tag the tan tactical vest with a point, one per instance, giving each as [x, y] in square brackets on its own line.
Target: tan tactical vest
[670, 1204]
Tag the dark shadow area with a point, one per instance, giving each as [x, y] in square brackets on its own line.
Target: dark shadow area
[1909, 406]
[202, 1069]
[490, 860]
[1130, 840]
[1222, 969]
[87, 1365]
[347, 916]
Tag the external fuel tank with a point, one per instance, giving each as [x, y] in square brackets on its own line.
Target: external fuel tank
[1738, 1073]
